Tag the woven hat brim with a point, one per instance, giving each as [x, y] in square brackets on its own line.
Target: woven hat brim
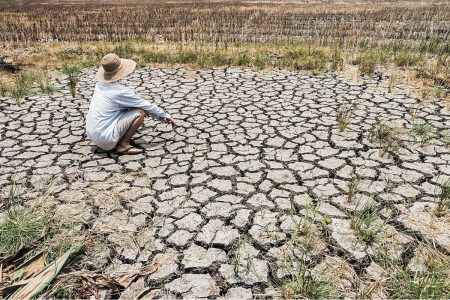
[127, 67]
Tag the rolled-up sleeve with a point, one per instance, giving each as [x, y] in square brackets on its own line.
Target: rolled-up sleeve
[129, 99]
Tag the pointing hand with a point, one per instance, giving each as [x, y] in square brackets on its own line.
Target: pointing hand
[171, 121]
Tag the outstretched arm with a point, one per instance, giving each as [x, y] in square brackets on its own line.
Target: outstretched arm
[129, 99]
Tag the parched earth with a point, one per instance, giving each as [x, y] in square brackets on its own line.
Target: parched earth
[222, 203]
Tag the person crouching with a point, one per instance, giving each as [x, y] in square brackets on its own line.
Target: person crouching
[116, 111]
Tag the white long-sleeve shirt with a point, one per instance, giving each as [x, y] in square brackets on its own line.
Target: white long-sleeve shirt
[109, 102]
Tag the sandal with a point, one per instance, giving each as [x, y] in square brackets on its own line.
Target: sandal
[128, 151]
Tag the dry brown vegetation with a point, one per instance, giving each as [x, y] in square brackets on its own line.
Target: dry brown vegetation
[223, 21]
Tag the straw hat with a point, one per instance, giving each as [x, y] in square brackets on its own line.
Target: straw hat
[114, 68]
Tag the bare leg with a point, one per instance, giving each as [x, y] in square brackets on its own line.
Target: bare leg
[124, 142]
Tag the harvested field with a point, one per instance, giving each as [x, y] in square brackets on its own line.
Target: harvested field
[224, 21]
[311, 156]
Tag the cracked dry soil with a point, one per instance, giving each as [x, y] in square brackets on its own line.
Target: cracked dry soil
[235, 177]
